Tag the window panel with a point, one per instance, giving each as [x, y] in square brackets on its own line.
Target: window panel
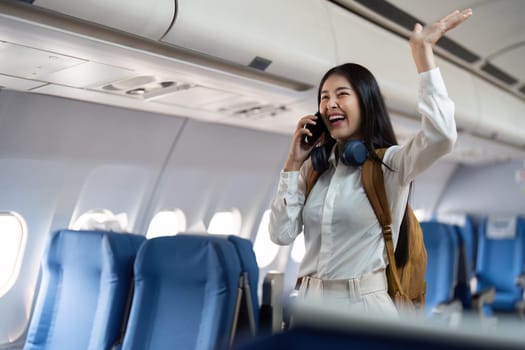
[13, 236]
[167, 223]
[265, 250]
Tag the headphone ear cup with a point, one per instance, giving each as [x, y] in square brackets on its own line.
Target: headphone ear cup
[354, 153]
[319, 159]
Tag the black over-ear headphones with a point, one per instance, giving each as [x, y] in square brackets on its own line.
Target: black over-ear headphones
[353, 153]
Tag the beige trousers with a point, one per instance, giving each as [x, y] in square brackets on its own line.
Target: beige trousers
[368, 293]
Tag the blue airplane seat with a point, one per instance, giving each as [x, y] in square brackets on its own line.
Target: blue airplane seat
[247, 321]
[501, 260]
[442, 247]
[244, 249]
[86, 279]
[186, 289]
[249, 265]
[465, 231]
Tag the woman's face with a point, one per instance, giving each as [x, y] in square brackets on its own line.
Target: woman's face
[339, 107]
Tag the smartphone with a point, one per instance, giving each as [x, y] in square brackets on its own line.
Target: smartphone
[317, 130]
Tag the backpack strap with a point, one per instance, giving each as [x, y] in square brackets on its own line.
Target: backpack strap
[374, 185]
[311, 178]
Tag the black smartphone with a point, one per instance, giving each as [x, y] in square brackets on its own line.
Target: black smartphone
[316, 130]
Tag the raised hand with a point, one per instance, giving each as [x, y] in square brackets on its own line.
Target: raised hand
[423, 39]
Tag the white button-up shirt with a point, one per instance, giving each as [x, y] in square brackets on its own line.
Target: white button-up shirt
[342, 235]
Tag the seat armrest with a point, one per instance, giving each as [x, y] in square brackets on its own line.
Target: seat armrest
[449, 312]
[520, 280]
[448, 307]
[272, 302]
[520, 309]
[483, 297]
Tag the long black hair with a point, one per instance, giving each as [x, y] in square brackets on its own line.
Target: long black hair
[375, 127]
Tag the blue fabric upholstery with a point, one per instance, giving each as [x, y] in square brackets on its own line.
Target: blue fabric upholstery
[86, 278]
[499, 262]
[441, 243]
[185, 293]
[244, 249]
[249, 264]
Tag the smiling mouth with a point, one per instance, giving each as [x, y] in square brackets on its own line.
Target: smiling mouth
[335, 118]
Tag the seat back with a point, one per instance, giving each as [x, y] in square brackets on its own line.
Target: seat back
[247, 322]
[249, 266]
[185, 294]
[463, 225]
[501, 259]
[441, 243]
[86, 278]
[250, 271]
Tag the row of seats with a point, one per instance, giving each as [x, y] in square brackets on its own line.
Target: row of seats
[104, 290]
[493, 255]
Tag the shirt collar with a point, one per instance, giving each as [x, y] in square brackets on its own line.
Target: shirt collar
[331, 159]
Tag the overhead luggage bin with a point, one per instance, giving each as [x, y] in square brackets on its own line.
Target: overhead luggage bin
[291, 39]
[386, 55]
[501, 114]
[461, 89]
[150, 19]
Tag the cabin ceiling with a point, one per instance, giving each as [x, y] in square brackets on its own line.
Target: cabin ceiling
[139, 73]
[492, 45]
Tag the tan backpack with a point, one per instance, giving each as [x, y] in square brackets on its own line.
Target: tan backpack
[406, 284]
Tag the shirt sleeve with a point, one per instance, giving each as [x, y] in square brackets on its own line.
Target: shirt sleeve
[287, 206]
[438, 130]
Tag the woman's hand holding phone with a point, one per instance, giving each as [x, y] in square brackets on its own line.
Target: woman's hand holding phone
[316, 130]
[307, 127]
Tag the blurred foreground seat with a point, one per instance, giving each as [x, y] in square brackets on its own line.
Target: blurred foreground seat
[322, 327]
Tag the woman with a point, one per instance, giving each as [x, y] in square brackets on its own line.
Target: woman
[345, 256]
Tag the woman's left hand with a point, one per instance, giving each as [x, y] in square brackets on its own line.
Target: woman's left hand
[423, 39]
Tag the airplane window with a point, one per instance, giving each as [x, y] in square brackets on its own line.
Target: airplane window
[298, 249]
[167, 223]
[13, 235]
[101, 219]
[225, 223]
[265, 249]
